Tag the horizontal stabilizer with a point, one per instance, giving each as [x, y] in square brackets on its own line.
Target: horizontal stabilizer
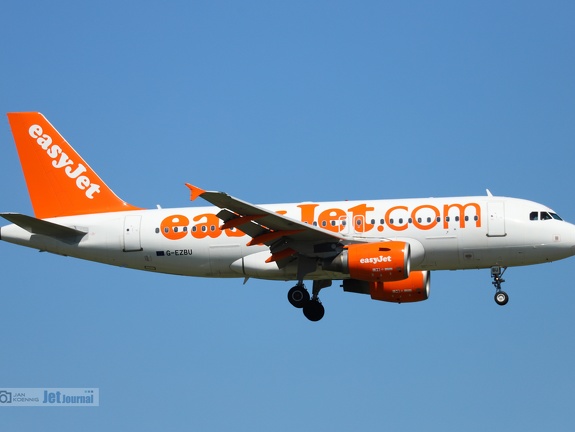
[39, 226]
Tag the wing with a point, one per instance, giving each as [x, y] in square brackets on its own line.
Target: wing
[286, 237]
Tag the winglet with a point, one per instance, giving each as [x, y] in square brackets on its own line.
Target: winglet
[195, 191]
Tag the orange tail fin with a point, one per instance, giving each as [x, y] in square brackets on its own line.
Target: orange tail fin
[60, 182]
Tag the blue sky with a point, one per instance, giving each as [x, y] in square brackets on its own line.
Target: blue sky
[279, 102]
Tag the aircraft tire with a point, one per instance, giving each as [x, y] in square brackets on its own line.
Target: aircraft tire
[314, 310]
[298, 296]
[501, 298]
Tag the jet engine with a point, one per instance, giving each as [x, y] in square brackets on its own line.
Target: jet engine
[373, 262]
[413, 289]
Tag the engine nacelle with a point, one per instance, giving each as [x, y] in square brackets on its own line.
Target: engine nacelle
[374, 262]
[413, 289]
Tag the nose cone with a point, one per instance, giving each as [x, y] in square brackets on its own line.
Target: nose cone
[567, 237]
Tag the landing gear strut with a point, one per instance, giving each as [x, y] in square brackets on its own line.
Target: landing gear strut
[299, 297]
[501, 297]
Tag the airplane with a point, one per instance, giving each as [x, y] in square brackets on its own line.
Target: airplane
[386, 249]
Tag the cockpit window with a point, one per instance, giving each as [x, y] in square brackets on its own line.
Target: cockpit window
[544, 216]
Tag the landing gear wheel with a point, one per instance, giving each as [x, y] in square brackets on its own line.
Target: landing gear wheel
[313, 310]
[298, 296]
[501, 298]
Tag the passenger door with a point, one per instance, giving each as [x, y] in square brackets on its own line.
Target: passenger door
[496, 219]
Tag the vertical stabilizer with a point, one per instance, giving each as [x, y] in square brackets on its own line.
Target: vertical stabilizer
[60, 182]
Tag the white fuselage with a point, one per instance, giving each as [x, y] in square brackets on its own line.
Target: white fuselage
[444, 234]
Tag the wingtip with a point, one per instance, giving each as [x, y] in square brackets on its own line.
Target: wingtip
[195, 191]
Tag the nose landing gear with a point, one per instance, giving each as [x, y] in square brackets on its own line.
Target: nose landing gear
[501, 297]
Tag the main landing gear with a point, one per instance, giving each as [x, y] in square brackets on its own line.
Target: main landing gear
[501, 297]
[299, 297]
